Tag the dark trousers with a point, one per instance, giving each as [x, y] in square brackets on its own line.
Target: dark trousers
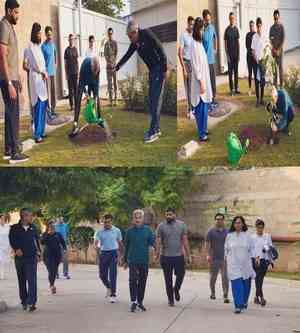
[212, 74]
[27, 278]
[12, 117]
[108, 263]
[278, 68]
[156, 89]
[261, 272]
[250, 65]
[52, 93]
[170, 266]
[72, 86]
[80, 89]
[233, 72]
[138, 274]
[188, 82]
[260, 81]
[52, 268]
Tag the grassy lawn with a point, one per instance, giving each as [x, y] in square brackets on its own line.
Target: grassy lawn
[127, 149]
[214, 153]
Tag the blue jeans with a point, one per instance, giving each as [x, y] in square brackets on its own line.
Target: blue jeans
[108, 265]
[201, 115]
[39, 118]
[241, 292]
[27, 278]
[156, 90]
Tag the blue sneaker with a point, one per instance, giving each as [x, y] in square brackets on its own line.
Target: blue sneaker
[151, 137]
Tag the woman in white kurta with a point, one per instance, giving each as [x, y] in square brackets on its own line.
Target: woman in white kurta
[201, 91]
[261, 260]
[238, 256]
[35, 63]
[4, 245]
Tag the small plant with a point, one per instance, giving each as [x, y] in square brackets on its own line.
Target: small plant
[292, 83]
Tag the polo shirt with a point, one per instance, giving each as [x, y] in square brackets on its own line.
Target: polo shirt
[185, 43]
[209, 36]
[232, 36]
[216, 237]
[109, 238]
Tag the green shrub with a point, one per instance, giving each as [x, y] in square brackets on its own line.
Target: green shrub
[292, 83]
[135, 90]
[81, 238]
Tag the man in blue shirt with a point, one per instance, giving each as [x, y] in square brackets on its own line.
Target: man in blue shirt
[64, 229]
[210, 46]
[109, 243]
[50, 55]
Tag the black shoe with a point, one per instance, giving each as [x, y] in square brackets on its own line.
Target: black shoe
[141, 307]
[177, 295]
[133, 307]
[262, 103]
[171, 303]
[213, 297]
[24, 306]
[237, 92]
[74, 132]
[7, 155]
[257, 104]
[226, 300]
[32, 308]
[237, 311]
[256, 300]
[18, 158]
[263, 302]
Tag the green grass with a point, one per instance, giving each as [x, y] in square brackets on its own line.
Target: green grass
[214, 153]
[127, 149]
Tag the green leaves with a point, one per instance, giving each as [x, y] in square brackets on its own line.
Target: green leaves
[106, 7]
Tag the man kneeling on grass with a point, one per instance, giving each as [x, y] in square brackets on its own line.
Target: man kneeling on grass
[282, 110]
[151, 51]
[88, 77]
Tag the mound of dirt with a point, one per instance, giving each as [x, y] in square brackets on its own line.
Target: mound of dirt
[92, 134]
[222, 109]
[257, 136]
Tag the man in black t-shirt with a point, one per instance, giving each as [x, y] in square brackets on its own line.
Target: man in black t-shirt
[232, 49]
[250, 59]
[71, 68]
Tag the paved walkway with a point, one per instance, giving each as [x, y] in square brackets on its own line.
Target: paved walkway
[80, 307]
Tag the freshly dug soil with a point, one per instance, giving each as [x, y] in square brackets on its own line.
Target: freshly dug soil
[257, 135]
[92, 134]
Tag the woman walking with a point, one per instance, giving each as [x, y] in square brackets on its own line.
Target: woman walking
[238, 254]
[4, 245]
[34, 62]
[201, 92]
[261, 260]
[53, 243]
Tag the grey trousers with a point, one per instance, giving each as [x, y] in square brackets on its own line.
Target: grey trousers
[52, 93]
[112, 85]
[65, 262]
[278, 68]
[187, 83]
[216, 267]
[212, 75]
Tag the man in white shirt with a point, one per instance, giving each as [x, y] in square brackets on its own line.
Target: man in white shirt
[92, 49]
[258, 45]
[184, 54]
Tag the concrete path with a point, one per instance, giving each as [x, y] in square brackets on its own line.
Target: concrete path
[80, 307]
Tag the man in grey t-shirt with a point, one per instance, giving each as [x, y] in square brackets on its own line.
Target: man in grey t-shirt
[10, 81]
[172, 245]
[215, 241]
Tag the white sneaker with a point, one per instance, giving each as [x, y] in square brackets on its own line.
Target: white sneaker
[113, 299]
[108, 293]
[192, 116]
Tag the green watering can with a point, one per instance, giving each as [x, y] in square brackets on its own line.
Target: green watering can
[90, 113]
[235, 149]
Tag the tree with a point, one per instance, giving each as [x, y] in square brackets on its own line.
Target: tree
[111, 8]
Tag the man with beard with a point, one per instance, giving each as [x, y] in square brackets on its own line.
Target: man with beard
[10, 81]
[171, 246]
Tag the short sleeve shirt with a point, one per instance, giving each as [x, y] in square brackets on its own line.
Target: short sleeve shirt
[171, 235]
[216, 238]
[258, 45]
[49, 51]
[185, 44]
[71, 60]
[209, 37]
[232, 36]
[8, 37]
[109, 239]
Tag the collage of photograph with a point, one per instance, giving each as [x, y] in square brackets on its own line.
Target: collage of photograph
[150, 166]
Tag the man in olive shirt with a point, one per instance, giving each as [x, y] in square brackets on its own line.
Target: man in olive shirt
[171, 245]
[71, 68]
[10, 81]
[215, 242]
[110, 54]
[232, 48]
[277, 36]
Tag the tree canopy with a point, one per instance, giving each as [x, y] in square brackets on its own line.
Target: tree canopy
[111, 8]
[84, 193]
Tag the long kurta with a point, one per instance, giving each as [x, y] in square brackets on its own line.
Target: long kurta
[238, 252]
[4, 244]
